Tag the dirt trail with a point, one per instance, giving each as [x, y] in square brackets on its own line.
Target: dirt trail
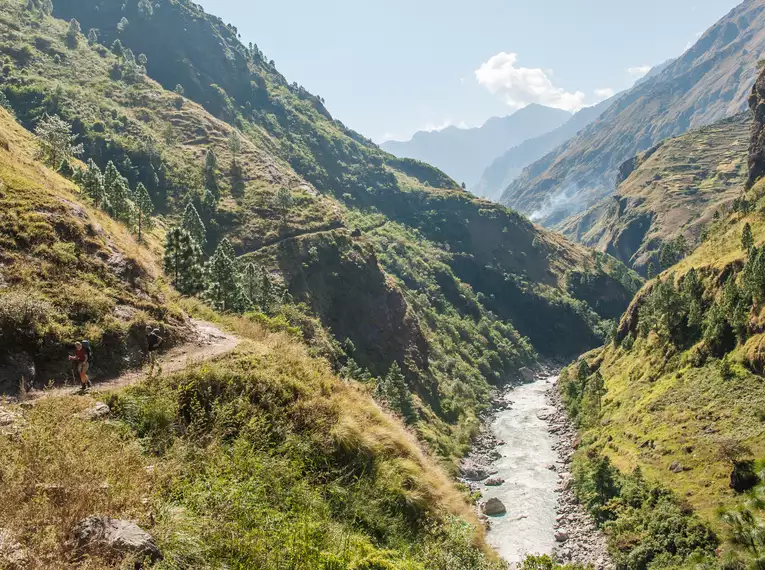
[209, 343]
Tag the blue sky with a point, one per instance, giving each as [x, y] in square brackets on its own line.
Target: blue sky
[389, 68]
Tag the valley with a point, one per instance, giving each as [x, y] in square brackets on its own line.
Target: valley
[353, 369]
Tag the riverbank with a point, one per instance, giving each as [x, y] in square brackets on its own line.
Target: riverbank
[522, 458]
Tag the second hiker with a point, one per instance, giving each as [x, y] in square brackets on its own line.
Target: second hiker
[82, 358]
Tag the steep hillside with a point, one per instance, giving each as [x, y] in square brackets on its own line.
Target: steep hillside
[678, 397]
[674, 189]
[708, 82]
[307, 200]
[465, 153]
[509, 166]
[68, 272]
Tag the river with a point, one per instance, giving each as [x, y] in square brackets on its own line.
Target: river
[529, 491]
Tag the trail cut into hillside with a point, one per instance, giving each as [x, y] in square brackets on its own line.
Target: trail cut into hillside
[208, 343]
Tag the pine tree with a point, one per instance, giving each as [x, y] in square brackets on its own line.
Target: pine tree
[651, 271]
[395, 392]
[179, 96]
[144, 208]
[122, 25]
[183, 261]
[117, 47]
[145, 9]
[223, 290]
[92, 183]
[747, 239]
[251, 283]
[211, 175]
[92, 36]
[66, 169]
[56, 141]
[73, 33]
[193, 224]
[237, 177]
[118, 194]
[283, 201]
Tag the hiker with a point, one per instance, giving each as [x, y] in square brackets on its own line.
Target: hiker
[83, 363]
[153, 341]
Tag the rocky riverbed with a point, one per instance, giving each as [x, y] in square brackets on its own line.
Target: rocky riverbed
[520, 463]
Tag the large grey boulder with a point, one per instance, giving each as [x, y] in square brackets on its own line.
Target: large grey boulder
[473, 471]
[527, 374]
[114, 537]
[493, 507]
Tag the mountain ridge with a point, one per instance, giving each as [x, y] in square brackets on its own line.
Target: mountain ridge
[708, 82]
[464, 153]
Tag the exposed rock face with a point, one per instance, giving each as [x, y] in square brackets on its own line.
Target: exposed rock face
[757, 143]
[114, 537]
[13, 369]
[493, 507]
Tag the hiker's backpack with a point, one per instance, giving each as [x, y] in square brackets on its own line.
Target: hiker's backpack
[88, 350]
[153, 339]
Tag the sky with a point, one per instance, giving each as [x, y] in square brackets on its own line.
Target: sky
[388, 68]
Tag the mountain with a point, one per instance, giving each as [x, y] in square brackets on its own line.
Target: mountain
[203, 456]
[508, 166]
[708, 82]
[673, 189]
[672, 409]
[348, 235]
[464, 153]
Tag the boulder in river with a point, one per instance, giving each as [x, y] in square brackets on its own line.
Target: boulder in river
[473, 471]
[494, 507]
[527, 374]
[561, 536]
[494, 481]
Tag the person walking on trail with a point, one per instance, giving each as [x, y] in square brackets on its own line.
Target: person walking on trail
[153, 342]
[83, 363]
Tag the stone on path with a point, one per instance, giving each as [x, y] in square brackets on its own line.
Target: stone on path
[97, 411]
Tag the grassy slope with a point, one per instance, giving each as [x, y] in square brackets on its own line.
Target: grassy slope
[68, 271]
[292, 142]
[674, 189]
[664, 404]
[264, 458]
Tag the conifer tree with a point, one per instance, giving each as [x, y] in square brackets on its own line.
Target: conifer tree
[183, 261]
[122, 25]
[144, 208]
[237, 178]
[223, 290]
[92, 36]
[193, 224]
[73, 33]
[251, 283]
[56, 141]
[117, 47]
[283, 201]
[651, 271]
[747, 239]
[394, 390]
[211, 176]
[118, 194]
[92, 183]
[66, 169]
[145, 9]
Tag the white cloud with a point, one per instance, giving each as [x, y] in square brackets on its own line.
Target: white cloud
[521, 86]
[638, 71]
[604, 93]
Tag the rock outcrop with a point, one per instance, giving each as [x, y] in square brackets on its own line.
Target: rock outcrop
[114, 538]
[757, 143]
